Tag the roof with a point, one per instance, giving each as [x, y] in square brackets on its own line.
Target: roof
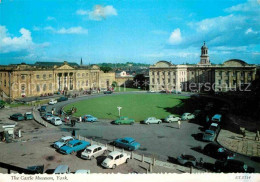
[93, 147]
[54, 64]
[214, 124]
[217, 116]
[209, 131]
[66, 137]
[61, 169]
[114, 153]
[72, 142]
[128, 139]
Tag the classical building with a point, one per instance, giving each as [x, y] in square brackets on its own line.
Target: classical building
[48, 77]
[230, 75]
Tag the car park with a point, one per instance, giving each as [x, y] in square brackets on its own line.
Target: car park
[62, 99]
[89, 118]
[187, 116]
[17, 117]
[93, 151]
[172, 118]
[28, 116]
[52, 101]
[62, 169]
[218, 152]
[48, 116]
[216, 118]
[108, 92]
[152, 120]
[232, 166]
[56, 121]
[114, 159]
[124, 120]
[189, 160]
[62, 141]
[127, 143]
[74, 146]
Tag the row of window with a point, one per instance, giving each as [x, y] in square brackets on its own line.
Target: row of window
[163, 80]
[234, 73]
[227, 82]
[83, 74]
[164, 73]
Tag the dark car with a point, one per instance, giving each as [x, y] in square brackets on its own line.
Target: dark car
[218, 152]
[108, 92]
[42, 109]
[189, 160]
[234, 166]
[17, 117]
[28, 115]
[62, 99]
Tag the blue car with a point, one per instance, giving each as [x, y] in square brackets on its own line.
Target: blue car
[74, 146]
[89, 118]
[127, 143]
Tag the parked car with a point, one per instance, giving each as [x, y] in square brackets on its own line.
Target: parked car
[162, 91]
[62, 169]
[209, 135]
[89, 118]
[214, 127]
[172, 118]
[189, 160]
[216, 118]
[62, 141]
[233, 166]
[93, 151]
[108, 92]
[43, 109]
[124, 120]
[176, 92]
[56, 121]
[48, 116]
[187, 116]
[152, 120]
[28, 116]
[114, 159]
[17, 117]
[74, 146]
[218, 152]
[52, 101]
[62, 99]
[127, 143]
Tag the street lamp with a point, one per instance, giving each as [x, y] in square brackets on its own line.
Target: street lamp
[119, 108]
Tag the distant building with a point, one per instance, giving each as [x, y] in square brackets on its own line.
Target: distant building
[220, 77]
[48, 77]
[125, 78]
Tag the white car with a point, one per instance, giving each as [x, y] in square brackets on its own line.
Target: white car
[114, 159]
[56, 121]
[172, 118]
[82, 171]
[62, 169]
[93, 151]
[187, 116]
[62, 141]
[52, 101]
[152, 120]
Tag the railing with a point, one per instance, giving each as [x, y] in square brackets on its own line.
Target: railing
[9, 167]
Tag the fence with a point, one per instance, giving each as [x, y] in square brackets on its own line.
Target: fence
[141, 158]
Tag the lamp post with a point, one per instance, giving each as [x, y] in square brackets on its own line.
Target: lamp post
[119, 108]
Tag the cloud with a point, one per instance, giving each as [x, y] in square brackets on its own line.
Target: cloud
[23, 44]
[98, 13]
[50, 18]
[71, 30]
[175, 37]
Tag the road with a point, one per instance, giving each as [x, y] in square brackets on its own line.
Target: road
[165, 141]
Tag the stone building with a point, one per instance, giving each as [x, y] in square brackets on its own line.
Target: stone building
[230, 75]
[48, 77]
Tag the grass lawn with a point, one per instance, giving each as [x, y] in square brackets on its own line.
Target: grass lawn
[122, 89]
[136, 106]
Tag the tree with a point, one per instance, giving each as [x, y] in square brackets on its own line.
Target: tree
[105, 69]
[141, 82]
[114, 84]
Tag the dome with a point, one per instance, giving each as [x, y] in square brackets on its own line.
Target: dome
[204, 46]
[235, 62]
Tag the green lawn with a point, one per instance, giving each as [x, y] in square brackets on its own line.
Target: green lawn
[136, 106]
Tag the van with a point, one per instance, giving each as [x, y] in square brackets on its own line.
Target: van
[62, 169]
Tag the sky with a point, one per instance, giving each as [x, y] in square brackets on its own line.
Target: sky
[118, 31]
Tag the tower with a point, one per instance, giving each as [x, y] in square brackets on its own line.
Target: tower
[204, 57]
[81, 62]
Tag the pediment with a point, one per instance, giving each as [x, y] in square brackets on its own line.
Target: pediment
[65, 67]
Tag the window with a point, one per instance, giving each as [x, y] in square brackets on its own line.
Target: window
[38, 76]
[242, 73]
[227, 82]
[5, 83]
[82, 83]
[83, 74]
[220, 73]
[86, 74]
[219, 82]
[234, 82]
[78, 74]
[192, 73]
[38, 88]
[44, 76]
[50, 86]
[23, 77]
[169, 80]
[50, 75]
[44, 87]
[227, 73]
[153, 80]
[169, 73]
[23, 89]
[87, 83]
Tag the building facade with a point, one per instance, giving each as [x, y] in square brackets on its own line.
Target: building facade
[230, 75]
[46, 78]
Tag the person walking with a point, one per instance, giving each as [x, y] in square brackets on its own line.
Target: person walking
[179, 123]
[80, 119]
